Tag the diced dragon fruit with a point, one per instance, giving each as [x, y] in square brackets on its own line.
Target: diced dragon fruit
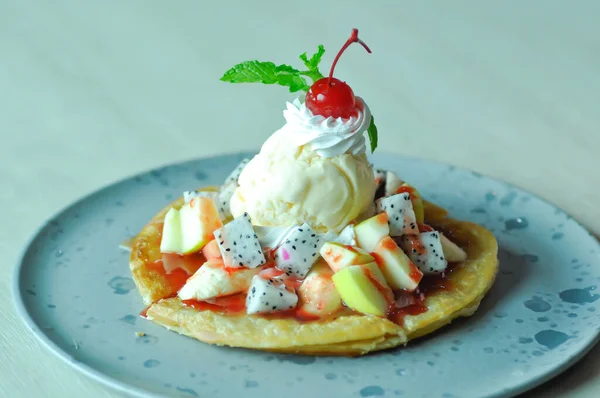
[224, 198]
[235, 174]
[268, 295]
[392, 183]
[379, 178]
[425, 250]
[299, 251]
[239, 244]
[345, 237]
[213, 280]
[401, 216]
[271, 237]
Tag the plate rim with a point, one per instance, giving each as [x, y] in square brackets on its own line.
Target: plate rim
[121, 386]
[43, 338]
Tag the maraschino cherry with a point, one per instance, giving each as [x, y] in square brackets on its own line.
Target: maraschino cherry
[330, 96]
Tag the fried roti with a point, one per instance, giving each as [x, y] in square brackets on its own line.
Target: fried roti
[347, 333]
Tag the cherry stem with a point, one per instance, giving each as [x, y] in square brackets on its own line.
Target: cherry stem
[353, 39]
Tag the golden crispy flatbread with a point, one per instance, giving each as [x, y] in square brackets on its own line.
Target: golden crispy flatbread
[347, 334]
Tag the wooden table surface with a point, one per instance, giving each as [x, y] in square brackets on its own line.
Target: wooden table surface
[92, 91]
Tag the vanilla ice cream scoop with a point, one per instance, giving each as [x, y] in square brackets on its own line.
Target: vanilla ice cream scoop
[314, 170]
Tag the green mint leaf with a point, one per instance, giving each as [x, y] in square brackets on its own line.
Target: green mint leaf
[267, 73]
[372, 133]
[312, 64]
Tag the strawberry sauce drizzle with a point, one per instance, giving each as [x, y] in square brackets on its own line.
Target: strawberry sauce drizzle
[429, 285]
[176, 278]
[234, 304]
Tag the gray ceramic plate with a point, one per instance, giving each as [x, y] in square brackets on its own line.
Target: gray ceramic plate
[73, 289]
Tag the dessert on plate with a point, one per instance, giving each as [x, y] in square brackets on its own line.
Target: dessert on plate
[306, 248]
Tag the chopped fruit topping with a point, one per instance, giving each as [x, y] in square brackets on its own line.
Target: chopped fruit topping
[214, 280]
[339, 256]
[187, 230]
[392, 183]
[360, 290]
[452, 252]
[211, 250]
[371, 231]
[331, 97]
[171, 233]
[401, 216]
[199, 219]
[298, 252]
[416, 200]
[239, 244]
[425, 228]
[317, 296]
[425, 250]
[269, 295]
[400, 273]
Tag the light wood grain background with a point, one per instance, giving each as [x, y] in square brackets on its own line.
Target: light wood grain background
[94, 91]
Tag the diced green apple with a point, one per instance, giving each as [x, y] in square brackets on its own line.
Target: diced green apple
[199, 219]
[171, 233]
[399, 271]
[452, 252]
[372, 231]
[360, 291]
[340, 256]
[373, 271]
[187, 230]
[317, 295]
[213, 280]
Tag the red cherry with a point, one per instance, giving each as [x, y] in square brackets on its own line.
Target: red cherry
[330, 96]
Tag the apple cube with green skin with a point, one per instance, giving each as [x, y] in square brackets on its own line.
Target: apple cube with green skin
[399, 271]
[340, 256]
[362, 290]
[213, 280]
[317, 295]
[188, 229]
[452, 252]
[371, 231]
[171, 233]
[373, 271]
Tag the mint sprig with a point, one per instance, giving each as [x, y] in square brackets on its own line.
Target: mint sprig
[267, 73]
[284, 75]
[287, 76]
[312, 64]
[372, 133]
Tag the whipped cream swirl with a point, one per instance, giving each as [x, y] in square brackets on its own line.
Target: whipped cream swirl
[328, 137]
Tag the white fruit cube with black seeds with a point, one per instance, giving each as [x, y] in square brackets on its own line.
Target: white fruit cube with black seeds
[224, 198]
[269, 295]
[235, 174]
[298, 252]
[239, 245]
[401, 216]
[431, 259]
